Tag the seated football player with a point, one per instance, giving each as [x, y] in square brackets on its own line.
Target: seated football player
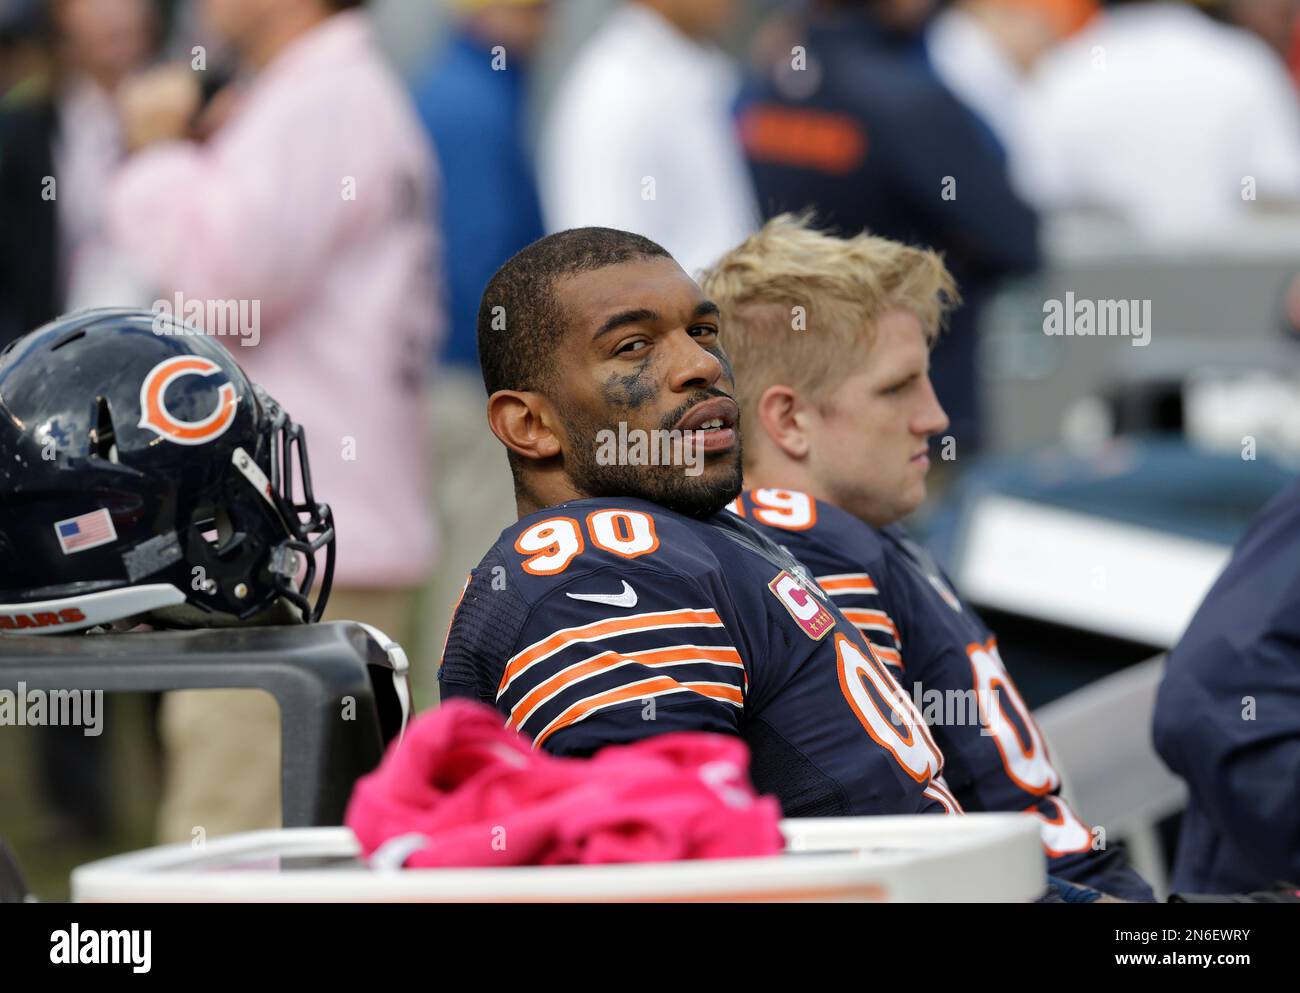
[625, 603]
[830, 338]
[1228, 718]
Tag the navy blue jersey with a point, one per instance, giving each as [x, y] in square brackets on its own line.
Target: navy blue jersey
[1228, 715]
[605, 621]
[947, 658]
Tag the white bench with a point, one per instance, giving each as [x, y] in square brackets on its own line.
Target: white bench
[982, 857]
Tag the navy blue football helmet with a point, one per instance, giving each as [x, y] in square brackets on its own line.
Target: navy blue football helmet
[144, 479]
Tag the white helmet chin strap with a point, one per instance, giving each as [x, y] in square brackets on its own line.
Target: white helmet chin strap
[76, 613]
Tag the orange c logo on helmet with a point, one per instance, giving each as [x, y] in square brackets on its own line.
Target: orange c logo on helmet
[155, 416]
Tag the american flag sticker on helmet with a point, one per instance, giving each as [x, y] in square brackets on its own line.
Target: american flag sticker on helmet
[76, 534]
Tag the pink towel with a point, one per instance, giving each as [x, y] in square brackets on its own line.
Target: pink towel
[482, 796]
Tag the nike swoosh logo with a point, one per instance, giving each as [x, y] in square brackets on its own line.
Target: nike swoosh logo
[625, 599]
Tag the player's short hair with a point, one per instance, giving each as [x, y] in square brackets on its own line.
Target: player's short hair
[520, 318]
[841, 287]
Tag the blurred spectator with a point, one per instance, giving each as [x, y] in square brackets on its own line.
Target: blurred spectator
[984, 50]
[24, 48]
[62, 142]
[640, 135]
[855, 124]
[307, 213]
[1162, 116]
[29, 290]
[473, 101]
[188, 27]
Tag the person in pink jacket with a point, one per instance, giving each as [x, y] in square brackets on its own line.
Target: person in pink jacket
[292, 215]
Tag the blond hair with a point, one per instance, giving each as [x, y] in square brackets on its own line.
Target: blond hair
[800, 306]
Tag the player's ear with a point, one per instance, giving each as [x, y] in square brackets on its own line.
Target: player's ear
[783, 417]
[523, 422]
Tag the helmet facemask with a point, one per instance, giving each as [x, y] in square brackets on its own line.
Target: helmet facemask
[310, 524]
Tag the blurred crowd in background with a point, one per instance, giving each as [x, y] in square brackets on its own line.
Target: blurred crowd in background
[360, 171]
